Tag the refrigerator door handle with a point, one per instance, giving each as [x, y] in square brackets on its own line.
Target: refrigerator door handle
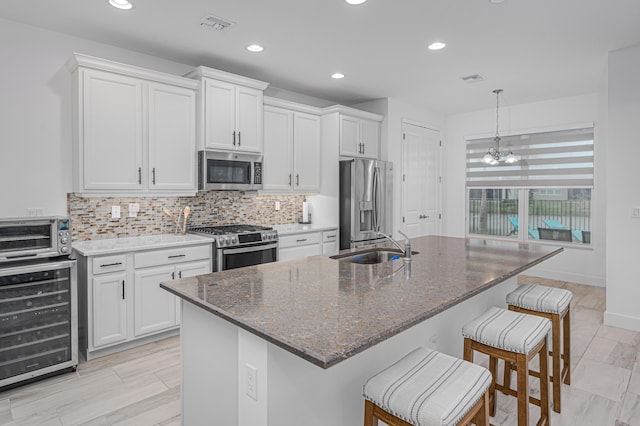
[376, 185]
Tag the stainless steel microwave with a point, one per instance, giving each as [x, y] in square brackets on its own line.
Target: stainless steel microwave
[229, 171]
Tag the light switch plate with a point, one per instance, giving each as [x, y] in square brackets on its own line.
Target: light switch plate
[635, 212]
[115, 212]
[134, 208]
[251, 381]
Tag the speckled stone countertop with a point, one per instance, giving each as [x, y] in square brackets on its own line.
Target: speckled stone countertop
[326, 311]
[119, 245]
[299, 228]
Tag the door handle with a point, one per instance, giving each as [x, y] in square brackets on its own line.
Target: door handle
[179, 274]
[122, 289]
[153, 173]
[289, 179]
[297, 180]
[239, 138]
[234, 138]
[140, 175]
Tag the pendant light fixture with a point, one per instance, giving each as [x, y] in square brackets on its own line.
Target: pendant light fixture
[494, 155]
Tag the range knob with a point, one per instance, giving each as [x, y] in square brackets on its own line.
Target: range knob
[64, 240]
[64, 249]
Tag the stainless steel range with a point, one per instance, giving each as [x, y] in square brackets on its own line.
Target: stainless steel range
[236, 246]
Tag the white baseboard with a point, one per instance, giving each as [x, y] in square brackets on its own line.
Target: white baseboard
[622, 321]
[566, 276]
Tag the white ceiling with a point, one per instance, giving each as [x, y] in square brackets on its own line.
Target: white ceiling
[533, 49]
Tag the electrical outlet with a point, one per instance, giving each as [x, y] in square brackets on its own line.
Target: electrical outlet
[635, 212]
[251, 381]
[433, 342]
[134, 208]
[115, 212]
[277, 205]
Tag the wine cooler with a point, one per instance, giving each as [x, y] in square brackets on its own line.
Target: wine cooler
[38, 319]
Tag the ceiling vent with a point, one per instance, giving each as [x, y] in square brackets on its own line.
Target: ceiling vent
[216, 23]
[473, 78]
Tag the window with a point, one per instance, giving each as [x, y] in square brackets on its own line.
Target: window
[546, 195]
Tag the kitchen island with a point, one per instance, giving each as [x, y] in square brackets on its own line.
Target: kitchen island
[292, 343]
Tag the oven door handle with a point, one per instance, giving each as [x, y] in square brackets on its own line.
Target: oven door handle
[249, 249]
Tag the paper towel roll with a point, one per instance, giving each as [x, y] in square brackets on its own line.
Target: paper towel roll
[305, 211]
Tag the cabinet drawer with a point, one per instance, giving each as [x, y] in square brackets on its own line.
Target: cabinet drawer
[102, 264]
[299, 239]
[170, 256]
[330, 236]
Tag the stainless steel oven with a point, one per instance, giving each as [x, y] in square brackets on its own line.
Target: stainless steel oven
[229, 171]
[237, 246]
[38, 299]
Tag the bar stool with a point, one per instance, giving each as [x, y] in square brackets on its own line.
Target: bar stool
[554, 304]
[428, 388]
[517, 338]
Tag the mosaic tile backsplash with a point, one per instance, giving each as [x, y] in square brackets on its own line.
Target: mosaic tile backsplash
[91, 216]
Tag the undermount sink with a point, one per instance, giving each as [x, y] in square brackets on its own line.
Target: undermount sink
[371, 256]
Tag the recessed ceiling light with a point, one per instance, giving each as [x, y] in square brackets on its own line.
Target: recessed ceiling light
[496, 1]
[121, 4]
[356, 1]
[337, 75]
[255, 48]
[437, 45]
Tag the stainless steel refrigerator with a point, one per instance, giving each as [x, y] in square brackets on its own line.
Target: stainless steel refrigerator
[365, 201]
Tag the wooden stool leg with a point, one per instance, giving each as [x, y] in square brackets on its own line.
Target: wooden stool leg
[544, 384]
[566, 322]
[556, 364]
[507, 374]
[369, 420]
[522, 371]
[482, 416]
[493, 368]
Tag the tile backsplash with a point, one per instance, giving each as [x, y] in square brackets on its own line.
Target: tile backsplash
[91, 216]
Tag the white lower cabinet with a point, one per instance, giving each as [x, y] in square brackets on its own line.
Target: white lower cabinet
[124, 300]
[312, 243]
[109, 309]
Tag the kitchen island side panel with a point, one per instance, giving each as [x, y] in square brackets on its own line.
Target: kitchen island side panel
[297, 391]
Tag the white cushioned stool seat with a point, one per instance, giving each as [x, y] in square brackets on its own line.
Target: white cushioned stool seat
[428, 388]
[540, 298]
[511, 331]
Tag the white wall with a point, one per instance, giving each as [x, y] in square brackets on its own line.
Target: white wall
[584, 265]
[35, 113]
[395, 111]
[623, 179]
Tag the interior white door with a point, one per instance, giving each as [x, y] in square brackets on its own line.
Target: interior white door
[420, 180]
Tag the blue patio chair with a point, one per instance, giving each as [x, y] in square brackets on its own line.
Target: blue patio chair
[514, 222]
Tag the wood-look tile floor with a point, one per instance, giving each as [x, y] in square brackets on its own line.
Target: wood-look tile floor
[141, 386]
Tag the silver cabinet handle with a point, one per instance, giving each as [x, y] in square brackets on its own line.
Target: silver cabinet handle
[122, 289]
[104, 265]
[239, 138]
[179, 274]
[176, 255]
[140, 175]
[234, 138]
[289, 179]
[301, 240]
[331, 236]
[153, 173]
[298, 180]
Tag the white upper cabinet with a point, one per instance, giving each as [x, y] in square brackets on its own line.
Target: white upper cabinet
[230, 111]
[291, 148]
[355, 132]
[134, 129]
[172, 137]
[359, 137]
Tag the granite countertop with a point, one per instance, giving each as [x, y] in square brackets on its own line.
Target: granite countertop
[299, 228]
[326, 311]
[147, 242]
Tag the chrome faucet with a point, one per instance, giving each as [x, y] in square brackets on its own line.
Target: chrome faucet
[406, 250]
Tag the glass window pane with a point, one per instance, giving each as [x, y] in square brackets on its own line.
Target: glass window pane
[560, 214]
[493, 212]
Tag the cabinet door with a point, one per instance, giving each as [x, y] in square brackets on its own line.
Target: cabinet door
[154, 307]
[111, 136]
[370, 137]
[190, 270]
[278, 144]
[109, 308]
[330, 242]
[306, 152]
[172, 141]
[219, 119]
[249, 116]
[349, 140]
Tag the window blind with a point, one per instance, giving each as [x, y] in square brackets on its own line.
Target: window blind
[561, 158]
